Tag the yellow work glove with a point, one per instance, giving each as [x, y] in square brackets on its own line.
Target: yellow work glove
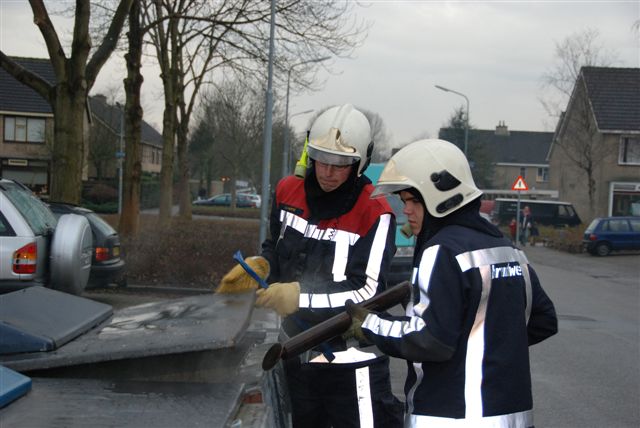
[237, 280]
[358, 314]
[282, 297]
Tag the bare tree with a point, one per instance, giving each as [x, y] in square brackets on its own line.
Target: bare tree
[575, 51]
[229, 132]
[75, 75]
[132, 177]
[103, 138]
[194, 37]
[581, 142]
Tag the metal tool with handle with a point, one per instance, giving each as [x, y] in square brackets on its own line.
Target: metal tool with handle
[326, 350]
[332, 327]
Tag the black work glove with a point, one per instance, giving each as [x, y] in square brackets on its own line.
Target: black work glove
[358, 314]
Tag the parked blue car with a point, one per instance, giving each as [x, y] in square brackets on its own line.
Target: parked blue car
[608, 234]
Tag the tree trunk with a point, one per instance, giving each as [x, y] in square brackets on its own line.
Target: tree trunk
[168, 64]
[130, 215]
[183, 170]
[68, 147]
[166, 172]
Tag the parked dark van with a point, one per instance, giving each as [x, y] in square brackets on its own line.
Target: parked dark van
[545, 213]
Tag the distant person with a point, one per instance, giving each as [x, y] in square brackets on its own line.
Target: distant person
[202, 194]
[513, 229]
[525, 225]
[477, 304]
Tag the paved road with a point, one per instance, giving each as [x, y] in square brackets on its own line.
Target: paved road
[588, 375]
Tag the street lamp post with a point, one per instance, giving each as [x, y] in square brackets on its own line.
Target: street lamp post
[466, 122]
[286, 149]
[266, 146]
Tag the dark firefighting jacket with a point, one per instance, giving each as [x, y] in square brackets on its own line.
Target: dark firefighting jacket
[336, 259]
[477, 305]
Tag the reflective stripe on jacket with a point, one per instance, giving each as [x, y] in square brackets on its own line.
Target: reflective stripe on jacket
[476, 296]
[335, 260]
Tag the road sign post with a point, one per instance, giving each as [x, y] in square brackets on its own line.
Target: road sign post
[518, 185]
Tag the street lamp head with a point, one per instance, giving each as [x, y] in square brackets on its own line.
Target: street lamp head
[466, 122]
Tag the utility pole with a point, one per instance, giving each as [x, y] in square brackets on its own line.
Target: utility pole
[266, 147]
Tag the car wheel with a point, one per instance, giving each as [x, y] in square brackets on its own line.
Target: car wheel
[71, 250]
[603, 249]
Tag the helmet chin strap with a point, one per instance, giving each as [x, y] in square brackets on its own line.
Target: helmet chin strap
[368, 158]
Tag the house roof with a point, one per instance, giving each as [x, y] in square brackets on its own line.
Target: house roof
[505, 146]
[614, 94]
[19, 98]
[109, 115]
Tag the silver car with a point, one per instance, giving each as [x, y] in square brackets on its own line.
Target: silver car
[35, 249]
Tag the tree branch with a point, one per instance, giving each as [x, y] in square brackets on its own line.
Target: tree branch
[56, 52]
[109, 42]
[22, 75]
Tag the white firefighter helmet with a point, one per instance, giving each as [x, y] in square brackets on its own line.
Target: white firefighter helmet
[437, 169]
[341, 136]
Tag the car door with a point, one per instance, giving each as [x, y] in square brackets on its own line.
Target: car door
[619, 233]
[634, 239]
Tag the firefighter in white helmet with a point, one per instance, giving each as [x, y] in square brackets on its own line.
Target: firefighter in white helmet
[330, 242]
[476, 304]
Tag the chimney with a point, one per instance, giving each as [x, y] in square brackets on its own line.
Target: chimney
[502, 129]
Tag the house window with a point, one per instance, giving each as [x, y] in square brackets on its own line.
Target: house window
[146, 154]
[24, 129]
[523, 172]
[543, 175]
[629, 151]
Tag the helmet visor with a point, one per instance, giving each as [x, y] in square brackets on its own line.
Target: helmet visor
[331, 158]
[387, 189]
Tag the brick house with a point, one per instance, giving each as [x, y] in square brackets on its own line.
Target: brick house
[105, 141]
[600, 132]
[26, 120]
[507, 155]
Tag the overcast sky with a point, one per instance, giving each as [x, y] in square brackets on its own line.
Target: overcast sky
[493, 52]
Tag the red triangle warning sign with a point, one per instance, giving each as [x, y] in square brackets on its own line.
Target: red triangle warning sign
[520, 184]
